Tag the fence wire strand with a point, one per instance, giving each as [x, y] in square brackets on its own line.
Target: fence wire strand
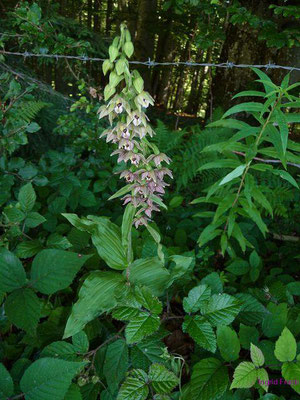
[151, 63]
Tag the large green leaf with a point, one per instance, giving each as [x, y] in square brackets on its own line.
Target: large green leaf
[197, 298]
[291, 372]
[228, 343]
[127, 222]
[116, 363]
[257, 356]
[73, 393]
[245, 375]
[108, 242]
[162, 380]
[145, 297]
[141, 326]
[80, 342]
[233, 174]
[6, 383]
[12, 273]
[222, 309]
[201, 331]
[286, 346]
[145, 353]
[209, 379]
[49, 378]
[275, 320]
[149, 272]
[54, 270]
[23, 309]
[27, 197]
[95, 297]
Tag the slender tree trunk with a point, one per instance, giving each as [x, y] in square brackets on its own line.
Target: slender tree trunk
[97, 21]
[108, 16]
[181, 78]
[89, 13]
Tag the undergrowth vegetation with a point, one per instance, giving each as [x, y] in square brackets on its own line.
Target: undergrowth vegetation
[100, 300]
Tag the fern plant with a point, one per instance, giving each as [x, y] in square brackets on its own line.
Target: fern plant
[254, 149]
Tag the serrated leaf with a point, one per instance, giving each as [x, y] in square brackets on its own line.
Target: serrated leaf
[228, 343]
[145, 353]
[209, 379]
[133, 389]
[49, 378]
[257, 356]
[27, 197]
[146, 299]
[221, 309]
[115, 363]
[54, 270]
[95, 297]
[73, 393]
[12, 273]
[34, 219]
[196, 299]
[263, 378]
[162, 380]
[141, 326]
[275, 321]
[291, 372]
[252, 311]
[29, 248]
[23, 308]
[285, 346]
[244, 376]
[6, 383]
[201, 331]
[80, 342]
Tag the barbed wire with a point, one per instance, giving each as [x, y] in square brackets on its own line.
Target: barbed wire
[151, 63]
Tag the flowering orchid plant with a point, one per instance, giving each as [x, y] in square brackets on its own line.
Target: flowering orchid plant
[126, 101]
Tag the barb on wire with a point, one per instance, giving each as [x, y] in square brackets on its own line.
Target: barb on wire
[151, 63]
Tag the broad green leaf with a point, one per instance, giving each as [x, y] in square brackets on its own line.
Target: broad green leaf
[145, 297]
[49, 378]
[229, 123]
[146, 353]
[116, 363]
[141, 326]
[183, 265]
[95, 297]
[233, 174]
[34, 219]
[149, 272]
[82, 224]
[108, 242]
[12, 273]
[275, 321]
[291, 372]
[252, 311]
[245, 376]
[221, 309]
[162, 380]
[54, 270]
[23, 309]
[133, 389]
[238, 267]
[201, 331]
[263, 378]
[27, 197]
[228, 343]
[257, 356]
[6, 383]
[156, 236]
[285, 346]
[244, 107]
[286, 176]
[214, 281]
[197, 298]
[62, 350]
[248, 334]
[80, 342]
[209, 379]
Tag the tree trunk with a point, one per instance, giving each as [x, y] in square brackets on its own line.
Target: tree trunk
[108, 16]
[89, 13]
[97, 21]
